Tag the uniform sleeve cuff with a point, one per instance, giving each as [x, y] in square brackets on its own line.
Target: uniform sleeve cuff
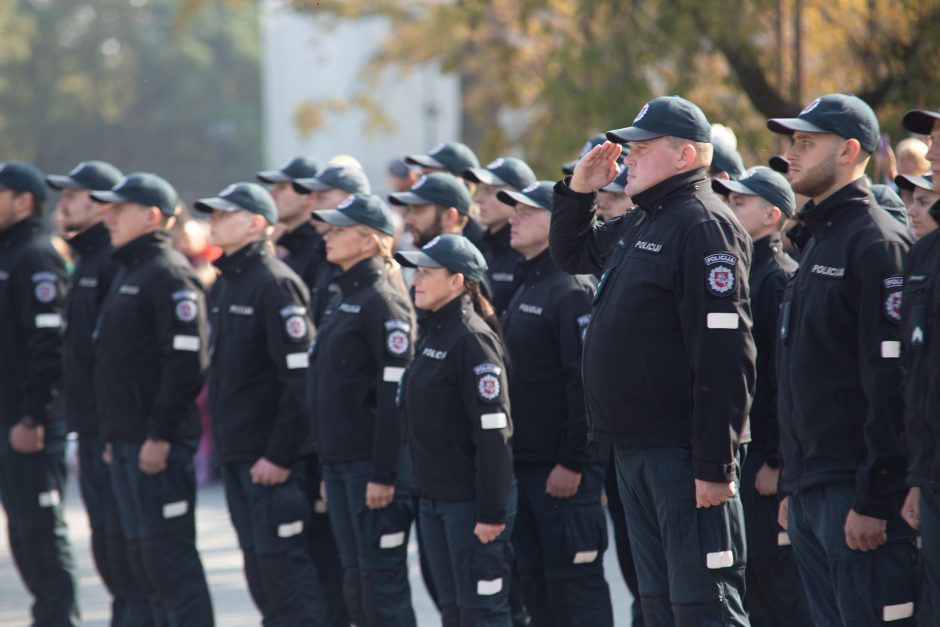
[715, 473]
[383, 476]
[492, 517]
[562, 188]
[873, 506]
[574, 465]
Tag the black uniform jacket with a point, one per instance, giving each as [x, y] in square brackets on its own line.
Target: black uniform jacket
[840, 398]
[260, 333]
[770, 270]
[356, 361]
[668, 355]
[502, 267]
[88, 286]
[150, 345]
[32, 287]
[544, 326]
[456, 406]
[920, 335]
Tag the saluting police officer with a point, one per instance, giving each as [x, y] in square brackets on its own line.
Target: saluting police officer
[762, 200]
[668, 361]
[561, 528]
[504, 173]
[82, 219]
[839, 377]
[260, 330]
[358, 356]
[32, 432]
[150, 363]
[456, 408]
[921, 361]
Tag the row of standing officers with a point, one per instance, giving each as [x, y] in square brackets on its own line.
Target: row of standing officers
[710, 366]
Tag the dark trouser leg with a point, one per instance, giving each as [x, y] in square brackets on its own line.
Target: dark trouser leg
[32, 487]
[528, 542]
[775, 595]
[930, 556]
[440, 568]
[690, 562]
[323, 551]
[618, 519]
[343, 509]
[845, 587]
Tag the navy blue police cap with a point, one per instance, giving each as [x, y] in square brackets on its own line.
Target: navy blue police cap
[249, 197]
[143, 188]
[93, 175]
[454, 252]
[540, 194]
[510, 171]
[347, 177]
[763, 182]
[454, 157]
[437, 188]
[672, 116]
[365, 209]
[846, 116]
[300, 167]
[20, 176]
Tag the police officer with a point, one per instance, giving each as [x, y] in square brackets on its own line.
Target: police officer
[358, 356]
[668, 357]
[921, 361]
[920, 191]
[82, 219]
[150, 363]
[32, 432]
[456, 408]
[888, 199]
[840, 402]
[762, 201]
[561, 529]
[437, 204]
[504, 173]
[727, 164]
[260, 333]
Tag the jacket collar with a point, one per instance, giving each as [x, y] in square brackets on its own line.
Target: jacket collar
[652, 201]
[361, 275]
[22, 230]
[143, 248]
[243, 258]
[498, 242]
[837, 208]
[447, 316]
[765, 249]
[303, 237]
[539, 266]
[91, 239]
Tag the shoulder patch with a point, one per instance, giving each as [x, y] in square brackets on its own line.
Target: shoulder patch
[397, 340]
[893, 290]
[295, 327]
[186, 310]
[45, 291]
[489, 386]
[719, 273]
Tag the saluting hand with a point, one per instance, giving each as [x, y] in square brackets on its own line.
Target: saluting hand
[562, 483]
[864, 533]
[265, 472]
[487, 533]
[379, 495]
[910, 511]
[596, 169]
[712, 494]
[153, 454]
[27, 439]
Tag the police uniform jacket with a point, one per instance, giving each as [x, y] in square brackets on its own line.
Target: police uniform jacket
[306, 256]
[456, 405]
[543, 326]
[668, 354]
[840, 399]
[260, 333]
[88, 286]
[921, 360]
[150, 345]
[770, 270]
[357, 358]
[503, 267]
[32, 286]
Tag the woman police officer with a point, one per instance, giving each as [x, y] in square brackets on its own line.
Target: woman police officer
[356, 361]
[456, 409]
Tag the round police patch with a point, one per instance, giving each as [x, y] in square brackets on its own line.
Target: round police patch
[893, 306]
[720, 280]
[186, 310]
[45, 291]
[488, 387]
[296, 327]
[397, 342]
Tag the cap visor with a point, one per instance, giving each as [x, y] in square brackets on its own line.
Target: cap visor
[482, 175]
[107, 196]
[909, 183]
[613, 188]
[334, 217]
[425, 161]
[721, 186]
[416, 258]
[569, 167]
[920, 121]
[779, 164]
[407, 198]
[208, 205]
[62, 181]
[788, 126]
[510, 197]
[631, 134]
[305, 186]
[272, 176]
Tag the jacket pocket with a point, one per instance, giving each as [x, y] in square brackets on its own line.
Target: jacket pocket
[490, 566]
[386, 529]
[585, 533]
[721, 535]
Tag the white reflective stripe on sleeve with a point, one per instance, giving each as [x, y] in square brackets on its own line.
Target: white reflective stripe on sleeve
[298, 360]
[897, 612]
[891, 349]
[49, 499]
[783, 539]
[584, 557]
[186, 342]
[391, 374]
[48, 321]
[722, 320]
[489, 588]
[319, 506]
[719, 559]
[291, 529]
[175, 510]
[391, 540]
[494, 421]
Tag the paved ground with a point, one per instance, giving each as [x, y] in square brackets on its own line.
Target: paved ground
[222, 560]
